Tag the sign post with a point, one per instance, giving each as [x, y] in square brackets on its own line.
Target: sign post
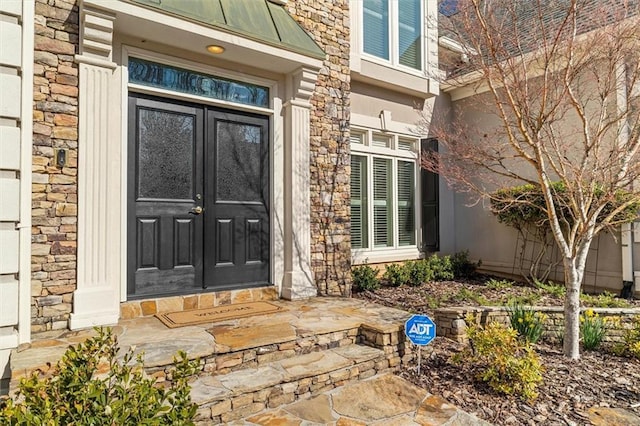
[421, 330]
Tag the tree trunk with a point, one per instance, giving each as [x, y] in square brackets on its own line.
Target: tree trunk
[573, 280]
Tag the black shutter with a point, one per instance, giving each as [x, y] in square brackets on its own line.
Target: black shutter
[430, 202]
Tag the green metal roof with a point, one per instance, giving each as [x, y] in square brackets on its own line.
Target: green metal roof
[260, 20]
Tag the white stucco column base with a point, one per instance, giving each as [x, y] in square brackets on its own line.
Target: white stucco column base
[97, 298]
[298, 280]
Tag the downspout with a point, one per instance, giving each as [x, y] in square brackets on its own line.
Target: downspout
[626, 237]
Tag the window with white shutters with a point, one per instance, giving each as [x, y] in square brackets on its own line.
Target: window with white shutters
[384, 188]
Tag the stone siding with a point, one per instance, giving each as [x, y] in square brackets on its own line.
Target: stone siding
[328, 22]
[55, 201]
[450, 322]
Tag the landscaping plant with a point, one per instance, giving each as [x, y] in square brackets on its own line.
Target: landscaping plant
[441, 268]
[526, 322]
[90, 385]
[419, 272]
[396, 275]
[592, 329]
[630, 345]
[365, 278]
[505, 363]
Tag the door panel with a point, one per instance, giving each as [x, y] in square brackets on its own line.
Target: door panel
[237, 206]
[184, 157]
[166, 145]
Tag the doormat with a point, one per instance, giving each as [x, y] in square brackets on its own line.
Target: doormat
[215, 314]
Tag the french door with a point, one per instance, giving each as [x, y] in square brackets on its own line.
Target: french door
[198, 198]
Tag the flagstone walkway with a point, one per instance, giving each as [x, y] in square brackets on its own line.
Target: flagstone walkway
[320, 361]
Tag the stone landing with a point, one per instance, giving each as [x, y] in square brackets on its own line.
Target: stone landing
[252, 367]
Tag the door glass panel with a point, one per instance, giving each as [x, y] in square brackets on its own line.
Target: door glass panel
[165, 155]
[239, 163]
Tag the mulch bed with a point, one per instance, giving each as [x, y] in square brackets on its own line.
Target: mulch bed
[569, 390]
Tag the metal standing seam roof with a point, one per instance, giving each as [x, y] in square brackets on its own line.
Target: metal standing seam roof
[260, 20]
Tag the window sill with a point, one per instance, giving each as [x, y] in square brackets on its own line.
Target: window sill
[392, 78]
[359, 257]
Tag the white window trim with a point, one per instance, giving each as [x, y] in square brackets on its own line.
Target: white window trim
[394, 39]
[369, 69]
[372, 254]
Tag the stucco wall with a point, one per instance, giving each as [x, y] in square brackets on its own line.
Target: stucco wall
[498, 246]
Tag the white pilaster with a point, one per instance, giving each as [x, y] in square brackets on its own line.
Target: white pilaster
[97, 298]
[298, 277]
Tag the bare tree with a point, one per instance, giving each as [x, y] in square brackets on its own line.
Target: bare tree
[555, 85]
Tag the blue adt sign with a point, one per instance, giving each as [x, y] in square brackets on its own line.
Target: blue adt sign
[420, 329]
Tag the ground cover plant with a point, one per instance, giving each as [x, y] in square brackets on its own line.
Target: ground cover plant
[92, 385]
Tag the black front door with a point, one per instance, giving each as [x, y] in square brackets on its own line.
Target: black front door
[198, 198]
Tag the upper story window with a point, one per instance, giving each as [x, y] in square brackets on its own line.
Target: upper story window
[393, 31]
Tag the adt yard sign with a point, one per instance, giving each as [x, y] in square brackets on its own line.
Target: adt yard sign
[420, 329]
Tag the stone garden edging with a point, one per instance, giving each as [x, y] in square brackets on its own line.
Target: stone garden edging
[450, 321]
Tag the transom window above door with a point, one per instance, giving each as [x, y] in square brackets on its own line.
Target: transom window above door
[153, 74]
[392, 31]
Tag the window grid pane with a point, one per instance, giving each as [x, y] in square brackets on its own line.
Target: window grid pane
[376, 28]
[406, 204]
[382, 203]
[359, 228]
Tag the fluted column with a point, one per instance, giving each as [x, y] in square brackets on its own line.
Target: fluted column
[298, 277]
[97, 297]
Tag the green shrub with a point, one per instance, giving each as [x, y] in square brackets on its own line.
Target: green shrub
[462, 266]
[527, 323]
[365, 278]
[603, 300]
[396, 275]
[90, 386]
[419, 272]
[496, 284]
[441, 268]
[506, 364]
[592, 329]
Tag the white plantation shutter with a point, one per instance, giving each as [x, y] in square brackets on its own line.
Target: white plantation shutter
[376, 28]
[358, 202]
[410, 33]
[382, 209]
[406, 207]
[357, 138]
[381, 141]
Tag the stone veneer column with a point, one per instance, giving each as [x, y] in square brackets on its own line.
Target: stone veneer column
[298, 278]
[97, 298]
[327, 21]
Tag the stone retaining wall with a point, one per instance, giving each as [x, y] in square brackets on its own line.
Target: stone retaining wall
[55, 189]
[450, 321]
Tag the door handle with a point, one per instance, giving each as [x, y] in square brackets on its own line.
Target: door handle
[196, 210]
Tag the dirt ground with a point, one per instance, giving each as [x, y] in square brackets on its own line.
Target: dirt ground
[569, 389]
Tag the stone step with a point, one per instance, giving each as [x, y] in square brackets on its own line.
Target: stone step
[381, 400]
[302, 327]
[226, 397]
